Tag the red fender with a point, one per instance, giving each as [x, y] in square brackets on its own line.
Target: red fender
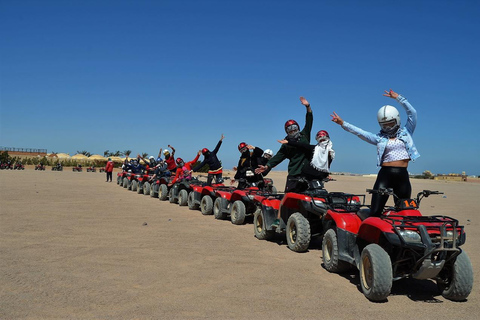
[349, 222]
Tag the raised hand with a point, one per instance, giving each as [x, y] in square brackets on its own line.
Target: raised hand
[283, 141]
[391, 94]
[336, 118]
[304, 102]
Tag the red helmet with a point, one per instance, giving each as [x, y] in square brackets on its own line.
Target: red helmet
[204, 150]
[242, 147]
[291, 123]
[179, 162]
[321, 135]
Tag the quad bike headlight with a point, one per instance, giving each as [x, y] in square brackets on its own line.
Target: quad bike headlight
[410, 236]
[320, 204]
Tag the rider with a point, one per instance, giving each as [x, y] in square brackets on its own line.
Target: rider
[297, 159]
[215, 166]
[170, 159]
[267, 155]
[160, 170]
[321, 156]
[247, 164]
[184, 170]
[395, 148]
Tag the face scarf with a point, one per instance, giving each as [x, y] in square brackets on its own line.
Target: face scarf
[320, 155]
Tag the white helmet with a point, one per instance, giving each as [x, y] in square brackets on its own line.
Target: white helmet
[268, 152]
[151, 158]
[388, 118]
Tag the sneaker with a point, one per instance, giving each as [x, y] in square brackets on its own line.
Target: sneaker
[276, 223]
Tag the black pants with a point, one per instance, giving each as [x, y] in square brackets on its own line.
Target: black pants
[295, 184]
[390, 177]
[210, 176]
[109, 175]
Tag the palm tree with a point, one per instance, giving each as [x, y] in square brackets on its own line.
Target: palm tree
[117, 154]
[106, 153]
[84, 152]
[144, 155]
[127, 152]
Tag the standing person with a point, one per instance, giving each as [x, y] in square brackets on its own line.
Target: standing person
[297, 158]
[215, 167]
[247, 164]
[395, 148]
[170, 159]
[321, 156]
[109, 169]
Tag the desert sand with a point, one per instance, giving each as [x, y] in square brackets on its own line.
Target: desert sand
[75, 247]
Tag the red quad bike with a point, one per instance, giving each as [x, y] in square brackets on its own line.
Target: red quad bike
[127, 180]
[120, 176]
[301, 214]
[77, 169]
[142, 183]
[236, 203]
[19, 166]
[91, 169]
[40, 167]
[57, 167]
[202, 196]
[400, 243]
[101, 170]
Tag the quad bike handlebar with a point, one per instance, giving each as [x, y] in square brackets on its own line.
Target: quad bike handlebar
[389, 191]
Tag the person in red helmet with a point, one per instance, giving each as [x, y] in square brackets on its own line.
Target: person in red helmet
[184, 170]
[247, 164]
[321, 155]
[298, 157]
[215, 166]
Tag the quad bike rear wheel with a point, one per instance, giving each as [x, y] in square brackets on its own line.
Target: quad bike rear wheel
[375, 273]
[154, 190]
[237, 215]
[125, 182]
[119, 179]
[219, 206]
[183, 198]
[171, 199]
[191, 201]
[259, 226]
[146, 188]
[330, 253]
[206, 205]
[163, 192]
[139, 188]
[456, 279]
[298, 232]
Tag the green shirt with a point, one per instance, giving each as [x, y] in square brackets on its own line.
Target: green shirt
[298, 157]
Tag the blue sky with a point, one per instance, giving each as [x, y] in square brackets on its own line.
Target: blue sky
[139, 75]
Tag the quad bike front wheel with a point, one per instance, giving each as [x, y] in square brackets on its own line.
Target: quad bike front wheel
[171, 197]
[134, 185]
[455, 281]
[206, 205]
[125, 183]
[139, 188]
[219, 207]
[146, 188]
[298, 232]
[375, 273]
[154, 190]
[238, 212]
[119, 179]
[330, 253]
[191, 201]
[163, 192]
[183, 198]
[259, 226]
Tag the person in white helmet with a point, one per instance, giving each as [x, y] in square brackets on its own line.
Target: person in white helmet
[395, 149]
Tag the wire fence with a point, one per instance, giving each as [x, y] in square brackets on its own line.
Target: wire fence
[30, 150]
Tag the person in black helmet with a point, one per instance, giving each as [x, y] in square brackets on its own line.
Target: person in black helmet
[215, 166]
[298, 158]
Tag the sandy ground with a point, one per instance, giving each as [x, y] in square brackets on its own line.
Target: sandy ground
[75, 247]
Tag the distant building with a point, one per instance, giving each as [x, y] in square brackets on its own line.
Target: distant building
[24, 152]
[451, 177]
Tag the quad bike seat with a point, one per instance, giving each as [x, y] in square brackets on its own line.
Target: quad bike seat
[363, 213]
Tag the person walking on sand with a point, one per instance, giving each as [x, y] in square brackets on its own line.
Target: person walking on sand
[395, 149]
[109, 169]
[298, 157]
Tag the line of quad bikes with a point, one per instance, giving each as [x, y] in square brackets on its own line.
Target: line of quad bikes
[400, 243]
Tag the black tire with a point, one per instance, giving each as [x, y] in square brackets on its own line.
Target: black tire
[171, 199]
[456, 279]
[163, 192]
[375, 273]
[330, 254]
[218, 207]
[206, 205]
[146, 188]
[298, 232]
[118, 179]
[125, 182]
[129, 184]
[134, 185]
[191, 201]
[259, 226]
[237, 215]
[154, 190]
[183, 198]
[140, 188]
